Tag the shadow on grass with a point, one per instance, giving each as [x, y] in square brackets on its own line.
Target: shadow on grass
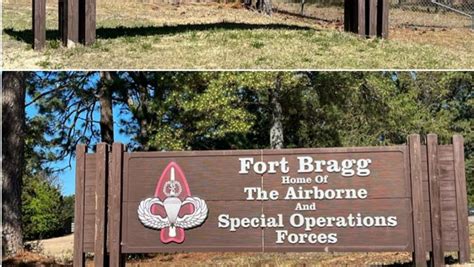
[304, 16]
[121, 31]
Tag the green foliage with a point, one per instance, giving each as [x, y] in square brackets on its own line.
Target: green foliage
[186, 111]
[67, 213]
[66, 102]
[41, 207]
[232, 110]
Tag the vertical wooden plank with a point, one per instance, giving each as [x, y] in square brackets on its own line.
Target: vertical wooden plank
[350, 16]
[414, 147]
[79, 205]
[116, 258]
[361, 13]
[125, 185]
[437, 254]
[347, 15]
[372, 18]
[39, 24]
[87, 21]
[62, 23]
[100, 252]
[461, 199]
[72, 21]
[382, 18]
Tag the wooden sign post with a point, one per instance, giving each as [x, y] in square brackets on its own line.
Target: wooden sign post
[77, 20]
[367, 17]
[72, 21]
[408, 198]
[87, 21]
[39, 24]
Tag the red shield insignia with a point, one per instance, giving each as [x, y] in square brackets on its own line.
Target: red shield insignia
[173, 208]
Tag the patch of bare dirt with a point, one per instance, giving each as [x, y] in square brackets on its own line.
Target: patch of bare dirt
[27, 259]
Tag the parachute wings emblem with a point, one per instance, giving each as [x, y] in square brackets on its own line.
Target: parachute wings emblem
[148, 219]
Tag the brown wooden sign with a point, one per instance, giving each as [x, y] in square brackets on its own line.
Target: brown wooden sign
[408, 198]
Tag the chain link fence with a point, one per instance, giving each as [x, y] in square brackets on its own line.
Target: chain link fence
[403, 13]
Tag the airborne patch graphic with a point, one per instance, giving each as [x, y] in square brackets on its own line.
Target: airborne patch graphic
[173, 208]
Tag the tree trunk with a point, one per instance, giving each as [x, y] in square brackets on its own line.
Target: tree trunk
[276, 131]
[106, 112]
[13, 122]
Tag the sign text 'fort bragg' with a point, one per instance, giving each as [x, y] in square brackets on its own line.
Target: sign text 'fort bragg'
[347, 168]
[407, 198]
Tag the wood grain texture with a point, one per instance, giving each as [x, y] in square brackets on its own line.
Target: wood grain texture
[72, 17]
[206, 237]
[89, 202]
[203, 174]
[383, 18]
[39, 24]
[372, 16]
[437, 254]
[100, 253]
[115, 211]
[213, 176]
[361, 239]
[87, 21]
[385, 181]
[417, 200]
[461, 198]
[79, 223]
[361, 17]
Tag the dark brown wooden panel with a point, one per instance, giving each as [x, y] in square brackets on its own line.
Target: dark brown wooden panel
[79, 220]
[62, 22]
[382, 18]
[372, 16]
[90, 169]
[449, 237]
[447, 185]
[89, 247]
[437, 252]
[446, 152]
[207, 237]
[89, 202]
[387, 178]
[39, 24]
[449, 225]
[72, 17]
[461, 199]
[87, 21]
[361, 17]
[89, 229]
[448, 194]
[419, 232]
[212, 176]
[115, 204]
[398, 238]
[100, 253]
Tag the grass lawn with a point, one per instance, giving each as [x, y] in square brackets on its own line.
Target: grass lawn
[215, 36]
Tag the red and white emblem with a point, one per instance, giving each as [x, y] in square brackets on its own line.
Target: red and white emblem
[173, 209]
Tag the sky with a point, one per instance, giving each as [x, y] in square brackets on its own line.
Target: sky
[67, 177]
